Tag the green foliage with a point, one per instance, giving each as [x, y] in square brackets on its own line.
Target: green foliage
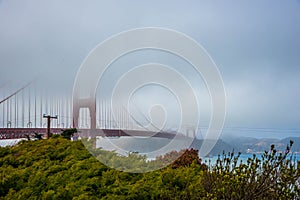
[37, 136]
[68, 133]
[183, 158]
[61, 169]
[133, 162]
[27, 136]
[272, 176]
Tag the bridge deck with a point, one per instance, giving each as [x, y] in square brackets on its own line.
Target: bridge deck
[16, 133]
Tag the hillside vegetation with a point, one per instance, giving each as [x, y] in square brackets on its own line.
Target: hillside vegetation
[61, 169]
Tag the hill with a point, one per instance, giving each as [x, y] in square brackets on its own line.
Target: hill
[217, 149]
[60, 169]
[255, 145]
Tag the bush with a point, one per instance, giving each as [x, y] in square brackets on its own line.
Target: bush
[272, 176]
[62, 169]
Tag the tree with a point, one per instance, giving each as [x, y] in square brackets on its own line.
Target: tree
[38, 136]
[183, 158]
[27, 136]
[68, 133]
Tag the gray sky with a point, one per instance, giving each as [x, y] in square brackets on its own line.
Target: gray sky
[254, 43]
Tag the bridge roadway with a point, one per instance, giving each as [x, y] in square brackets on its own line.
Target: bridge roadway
[16, 133]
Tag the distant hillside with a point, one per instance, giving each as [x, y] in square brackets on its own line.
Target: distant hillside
[296, 145]
[217, 149]
[252, 145]
[249, 144]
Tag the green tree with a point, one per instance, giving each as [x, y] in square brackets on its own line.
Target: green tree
[37, 136]
[68, 133]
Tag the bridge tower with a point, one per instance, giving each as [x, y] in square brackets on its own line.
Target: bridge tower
[191, 130]
[90, 104]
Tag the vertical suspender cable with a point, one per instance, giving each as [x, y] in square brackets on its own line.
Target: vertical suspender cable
[7, 112]
[23, 107]
[35, 107]
[15, 111]
[3, 110]
[67, 111]
[29, 107]
[41, 110]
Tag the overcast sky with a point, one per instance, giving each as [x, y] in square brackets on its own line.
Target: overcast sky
[255, 45]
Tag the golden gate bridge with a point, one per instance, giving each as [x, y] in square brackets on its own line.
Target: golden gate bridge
[21, 114]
